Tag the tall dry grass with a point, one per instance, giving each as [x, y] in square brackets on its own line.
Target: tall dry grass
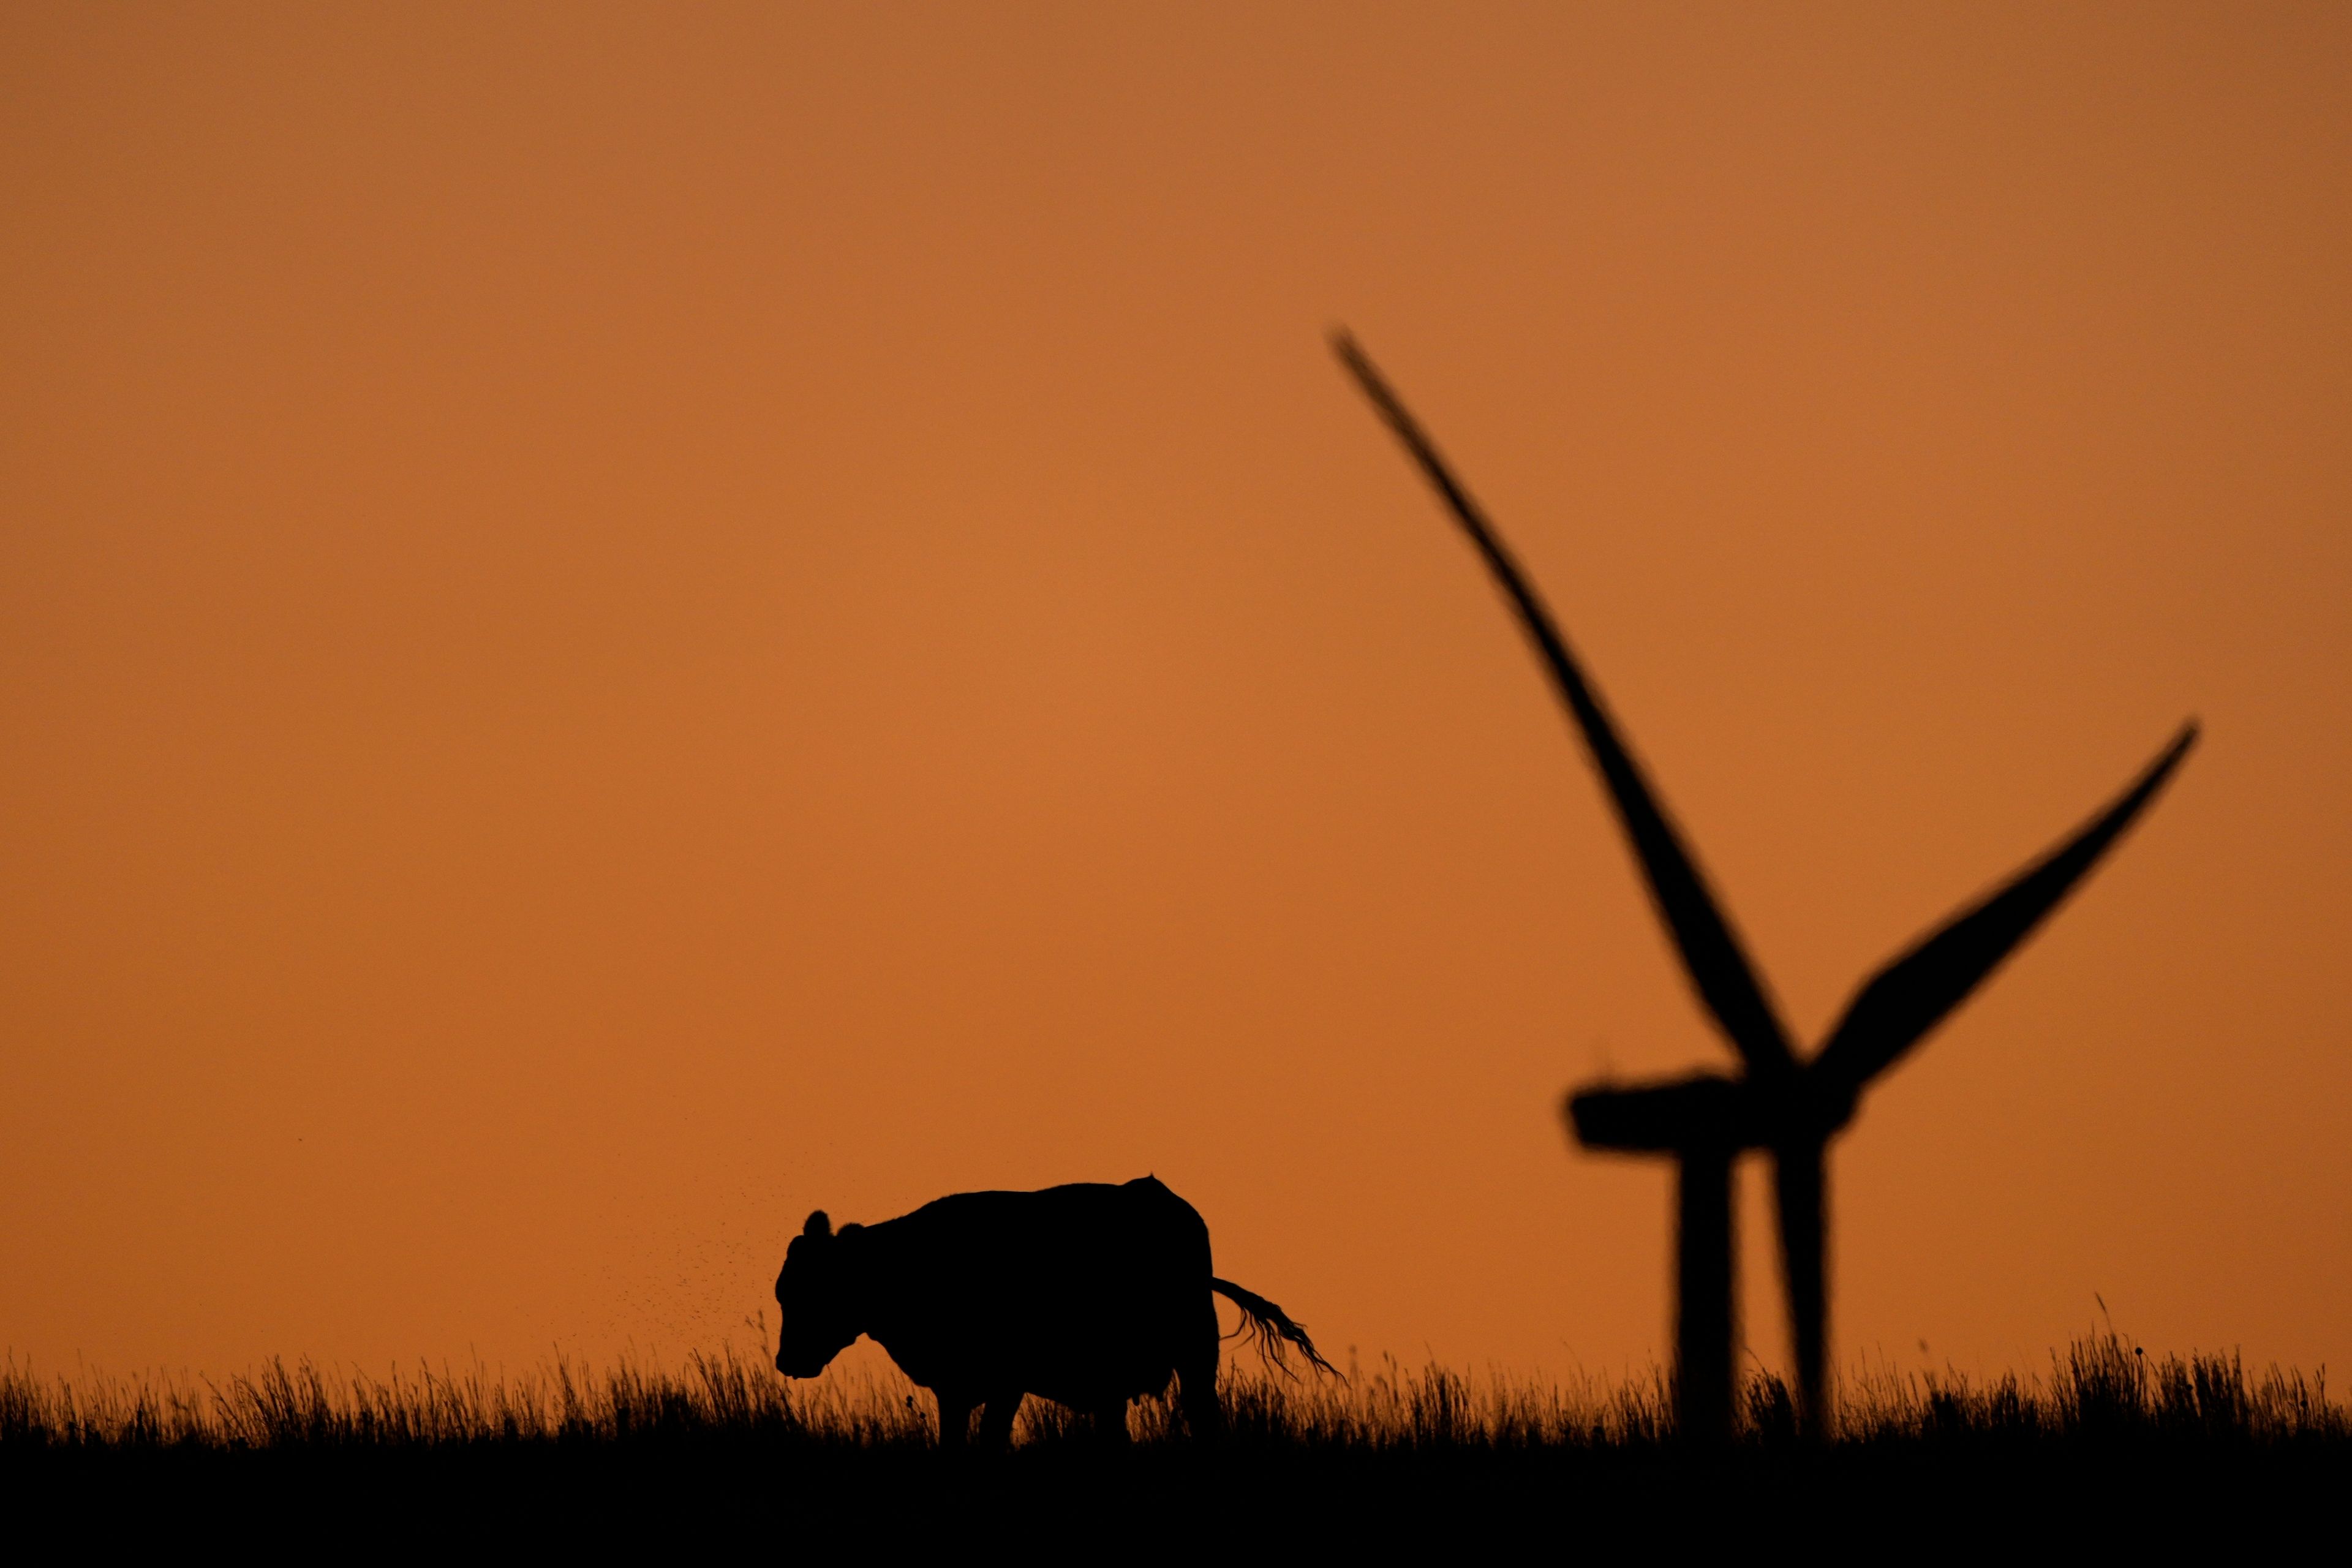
[2099, 1390]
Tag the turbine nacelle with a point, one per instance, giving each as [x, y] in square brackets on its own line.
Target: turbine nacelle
[1708, 1110]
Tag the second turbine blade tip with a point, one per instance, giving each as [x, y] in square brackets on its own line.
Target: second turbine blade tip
[1368, 375]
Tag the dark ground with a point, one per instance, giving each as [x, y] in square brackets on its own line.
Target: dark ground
[1165, 1500]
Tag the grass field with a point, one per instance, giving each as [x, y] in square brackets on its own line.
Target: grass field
[2106, 1440]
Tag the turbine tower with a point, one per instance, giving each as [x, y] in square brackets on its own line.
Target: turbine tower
[1778, 1103]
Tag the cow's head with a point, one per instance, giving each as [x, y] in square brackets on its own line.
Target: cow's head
[817, 1298]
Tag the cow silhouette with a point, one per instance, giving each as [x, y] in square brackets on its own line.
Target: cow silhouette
[1088, 1295]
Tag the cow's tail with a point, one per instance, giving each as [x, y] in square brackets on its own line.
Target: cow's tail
[1271, 1326]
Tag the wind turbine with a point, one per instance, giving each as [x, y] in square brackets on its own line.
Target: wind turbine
[1789, 1107]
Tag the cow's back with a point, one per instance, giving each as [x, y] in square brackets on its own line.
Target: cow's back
[1081, 1293]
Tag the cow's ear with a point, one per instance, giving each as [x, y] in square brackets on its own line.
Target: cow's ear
[819, 1224]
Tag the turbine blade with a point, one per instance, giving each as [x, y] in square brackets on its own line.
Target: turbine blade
[1801, 1186]
[1711, 953]
[1912, 994]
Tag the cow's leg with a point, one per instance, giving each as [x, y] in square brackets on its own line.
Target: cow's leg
[955, 1419]
[1204, 1416]
[996, 1419]
[1196, 1372]
[1110, 1424]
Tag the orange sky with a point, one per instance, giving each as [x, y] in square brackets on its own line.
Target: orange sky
[614, 625]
